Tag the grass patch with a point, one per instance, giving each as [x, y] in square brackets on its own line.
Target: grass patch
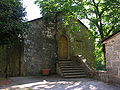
[3, 79]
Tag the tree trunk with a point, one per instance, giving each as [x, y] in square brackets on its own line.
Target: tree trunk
[103, 45]
[7, 62]
[104, 52]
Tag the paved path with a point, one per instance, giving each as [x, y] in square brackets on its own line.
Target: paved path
[57, 83]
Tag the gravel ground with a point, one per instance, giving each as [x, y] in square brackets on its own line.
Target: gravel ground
[57, 83]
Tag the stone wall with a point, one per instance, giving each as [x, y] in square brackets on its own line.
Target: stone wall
[106, 77]
[41, 43]
[98, 75]
[113, 54]
[40, 47]
[82, 44]
[81, 41]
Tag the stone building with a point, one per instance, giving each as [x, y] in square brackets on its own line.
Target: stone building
[48, 42]
[112, 46]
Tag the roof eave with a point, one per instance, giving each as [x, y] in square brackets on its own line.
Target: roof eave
[109, 37]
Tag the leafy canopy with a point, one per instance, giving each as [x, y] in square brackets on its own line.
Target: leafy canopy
[11, 20]
[103, 16]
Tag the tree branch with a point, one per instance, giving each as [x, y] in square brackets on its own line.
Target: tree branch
[109, 31]
[102, 12]
[98, 15]
[101, 29]
[88, 17]
[96, 6]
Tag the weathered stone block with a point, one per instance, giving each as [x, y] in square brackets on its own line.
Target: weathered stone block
[113, 71]
[115, 64]
[108, 63]
[41, 44]
[113, 54]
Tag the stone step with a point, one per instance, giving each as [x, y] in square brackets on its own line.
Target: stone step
[70, 66]
[66, 62]
[74, 76]
[73, 70]
[74, 73]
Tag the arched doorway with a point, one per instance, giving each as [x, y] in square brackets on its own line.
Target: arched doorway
[63, 47]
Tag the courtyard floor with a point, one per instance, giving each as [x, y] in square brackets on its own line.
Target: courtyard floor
[56, 83]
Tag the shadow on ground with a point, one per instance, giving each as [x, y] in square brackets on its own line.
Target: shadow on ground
[57, 83]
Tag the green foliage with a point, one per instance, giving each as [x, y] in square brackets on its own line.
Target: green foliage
[100, 65]
[11, 21]
[104, 16]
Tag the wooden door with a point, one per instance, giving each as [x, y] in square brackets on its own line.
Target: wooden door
[63, 48]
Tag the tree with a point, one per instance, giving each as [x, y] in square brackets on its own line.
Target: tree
[12, 27]
[102, 14]
[11, 21]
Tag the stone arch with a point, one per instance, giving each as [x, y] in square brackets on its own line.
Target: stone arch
[63, 47]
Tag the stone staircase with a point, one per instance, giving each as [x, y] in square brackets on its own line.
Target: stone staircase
[70, 69]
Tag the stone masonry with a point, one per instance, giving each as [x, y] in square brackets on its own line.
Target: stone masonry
[41, 44]
[40, 48]
[112, 46]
